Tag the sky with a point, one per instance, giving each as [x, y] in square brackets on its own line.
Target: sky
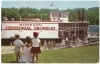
[61, 5]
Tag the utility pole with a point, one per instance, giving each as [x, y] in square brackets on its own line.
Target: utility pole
[20, 22]
[20, 18]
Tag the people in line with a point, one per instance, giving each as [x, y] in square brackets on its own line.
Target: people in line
[85, 40]
[70, 42]
[45, 45]
[51, 44]
[74, 38]
[63, 43]
[54, 45]
[78, 41]
[97, 37]
[67, 41]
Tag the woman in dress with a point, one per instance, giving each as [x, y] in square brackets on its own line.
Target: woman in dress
[27, 56]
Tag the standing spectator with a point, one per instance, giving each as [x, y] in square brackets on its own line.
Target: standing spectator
[89, 36]
[78, 41]
[66, 40]
[36, 43]
[54, 44]
[69, 40]
[97, 37]
[18, 44]
[49, 44]
[85, 41]
[45, 44]
[63, 43]
[82, 36]
[74, 38]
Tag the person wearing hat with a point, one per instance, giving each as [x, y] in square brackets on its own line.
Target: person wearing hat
[35, 50]
[18, 44]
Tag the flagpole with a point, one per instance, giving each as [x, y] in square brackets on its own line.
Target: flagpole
[51, 11]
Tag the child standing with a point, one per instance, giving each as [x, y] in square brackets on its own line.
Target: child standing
[18, 44]
[35, 46]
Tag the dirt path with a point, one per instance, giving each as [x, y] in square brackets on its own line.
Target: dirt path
[9, 49]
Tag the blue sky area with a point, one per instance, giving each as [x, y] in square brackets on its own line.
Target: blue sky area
[61, 5]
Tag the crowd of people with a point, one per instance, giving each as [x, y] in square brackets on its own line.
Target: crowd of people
[31, 48]
[49, 44]
[75, 40]
[71, 41]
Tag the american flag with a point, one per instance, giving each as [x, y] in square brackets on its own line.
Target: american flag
[51, 4]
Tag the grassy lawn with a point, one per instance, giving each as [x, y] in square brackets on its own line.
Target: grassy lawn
[88, 54]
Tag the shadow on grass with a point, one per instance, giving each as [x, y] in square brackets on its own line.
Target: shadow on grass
[14, 62]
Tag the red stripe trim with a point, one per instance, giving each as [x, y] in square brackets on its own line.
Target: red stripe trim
[40, 22]
[30, 22]
[35, 30]
[33, 22]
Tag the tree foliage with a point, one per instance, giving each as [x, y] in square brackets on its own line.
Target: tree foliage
[90, 14]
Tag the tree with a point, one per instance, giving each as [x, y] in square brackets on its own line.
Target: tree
[91, 14]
